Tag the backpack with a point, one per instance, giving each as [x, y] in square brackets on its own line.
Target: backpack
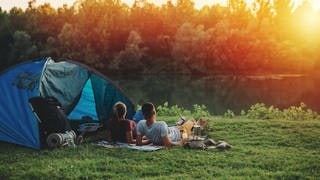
[51, 117]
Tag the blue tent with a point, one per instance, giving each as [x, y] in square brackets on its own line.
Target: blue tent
[81, 90]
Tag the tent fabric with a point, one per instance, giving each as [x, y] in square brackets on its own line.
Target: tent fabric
[82, 91]
[106, 95]
[17, 121]
[64, 81]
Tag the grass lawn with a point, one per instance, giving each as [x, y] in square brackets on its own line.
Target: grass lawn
[262, 149]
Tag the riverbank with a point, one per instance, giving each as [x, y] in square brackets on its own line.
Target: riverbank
[276, 149]
[220, 93]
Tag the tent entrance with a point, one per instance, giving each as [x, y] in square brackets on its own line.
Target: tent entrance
[86, 107]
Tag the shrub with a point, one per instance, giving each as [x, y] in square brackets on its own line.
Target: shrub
[257, 111]
[229, 114]
[197, 112]
[261, 111]
[242, 113]
[299, 113]
[174, 110]
[200, 111]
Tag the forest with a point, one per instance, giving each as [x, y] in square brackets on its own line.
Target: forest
[175, 38]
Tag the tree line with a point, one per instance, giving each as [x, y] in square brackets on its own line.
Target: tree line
[175, 38]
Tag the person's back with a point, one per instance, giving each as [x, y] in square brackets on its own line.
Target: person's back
[157, 132]
[118, 130]
[154, 132]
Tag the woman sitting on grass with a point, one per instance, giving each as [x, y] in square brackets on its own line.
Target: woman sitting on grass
[119, 128]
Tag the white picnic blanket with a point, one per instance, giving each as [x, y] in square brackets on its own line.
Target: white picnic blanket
[107, 144]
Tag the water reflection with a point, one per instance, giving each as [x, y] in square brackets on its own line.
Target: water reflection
[220, 93]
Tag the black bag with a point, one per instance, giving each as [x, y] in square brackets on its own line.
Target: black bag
[52, 118]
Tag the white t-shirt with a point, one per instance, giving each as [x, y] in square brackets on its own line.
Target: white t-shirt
[157, 131]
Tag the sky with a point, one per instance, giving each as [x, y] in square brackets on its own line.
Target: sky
[8, 4]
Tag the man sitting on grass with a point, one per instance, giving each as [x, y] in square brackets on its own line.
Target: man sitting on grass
[158, 132]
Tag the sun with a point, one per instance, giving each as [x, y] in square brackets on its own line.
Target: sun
[307, 21]
[316, 4]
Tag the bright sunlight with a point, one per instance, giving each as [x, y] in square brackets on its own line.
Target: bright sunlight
[307, 19]
[316, 4]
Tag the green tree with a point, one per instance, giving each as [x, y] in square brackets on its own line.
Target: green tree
[5, 38]
[190, 48]
[130, 59]
[22, 47]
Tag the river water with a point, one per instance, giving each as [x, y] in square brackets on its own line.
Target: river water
[220, 93]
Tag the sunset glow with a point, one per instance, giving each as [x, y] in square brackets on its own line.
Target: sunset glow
[8, 4]
[235, 36]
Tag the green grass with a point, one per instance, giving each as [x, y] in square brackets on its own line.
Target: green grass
[262, 149]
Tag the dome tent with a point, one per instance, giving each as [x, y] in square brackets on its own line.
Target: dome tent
[81, 90]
